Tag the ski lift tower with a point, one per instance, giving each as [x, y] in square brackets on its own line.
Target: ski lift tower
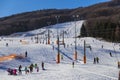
[48, 32]
[75, 53]
[58, 55]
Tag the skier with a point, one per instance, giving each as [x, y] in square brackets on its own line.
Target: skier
[26, 54]
[61, 57]
[53, 47]
[73, 64]
[110, 54]
[90, 48]
[35, 66]
[14, 72]
[97, 59]
[20, 71]
[102, 46]
[6, 44]
[10, 71]
[31, 68]
[37, 69]
[42, 66]
[94, 61]
[26, 70]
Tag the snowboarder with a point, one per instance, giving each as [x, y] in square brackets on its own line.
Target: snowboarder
[97, 59]
[42, 66]
[20, 71]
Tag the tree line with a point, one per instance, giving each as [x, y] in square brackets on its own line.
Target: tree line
[105, 28]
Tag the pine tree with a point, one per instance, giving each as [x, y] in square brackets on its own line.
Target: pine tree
[83, 31]
[117, 33]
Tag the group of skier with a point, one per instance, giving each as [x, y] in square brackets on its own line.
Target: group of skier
[27, 70]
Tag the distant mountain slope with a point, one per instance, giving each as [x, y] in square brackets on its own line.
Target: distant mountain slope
[68, 28]
[36, 19]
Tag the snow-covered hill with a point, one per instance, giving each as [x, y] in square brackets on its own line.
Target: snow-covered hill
[68, 27]
[106, 69]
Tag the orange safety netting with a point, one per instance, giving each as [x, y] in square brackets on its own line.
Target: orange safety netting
[9, 57]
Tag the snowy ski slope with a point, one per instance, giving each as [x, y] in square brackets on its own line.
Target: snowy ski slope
[105, 70]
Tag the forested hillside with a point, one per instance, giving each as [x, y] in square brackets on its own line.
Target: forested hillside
[102, 20]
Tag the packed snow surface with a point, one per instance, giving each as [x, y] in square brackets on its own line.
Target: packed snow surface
[106, 69]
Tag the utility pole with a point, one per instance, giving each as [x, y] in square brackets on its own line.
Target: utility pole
[75, 53]
[58, 55]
